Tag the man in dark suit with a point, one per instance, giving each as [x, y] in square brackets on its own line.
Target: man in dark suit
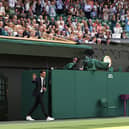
[38, 93]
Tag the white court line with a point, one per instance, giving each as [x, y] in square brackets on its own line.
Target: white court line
[121, 127]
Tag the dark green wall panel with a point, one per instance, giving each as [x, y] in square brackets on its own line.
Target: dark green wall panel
[63, 92]
[118, 84]
[77, 94]
[88, 87]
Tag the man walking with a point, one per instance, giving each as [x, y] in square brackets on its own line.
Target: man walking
[38, 92]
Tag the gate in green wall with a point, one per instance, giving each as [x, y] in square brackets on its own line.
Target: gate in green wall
[27, 100]
[77, 94]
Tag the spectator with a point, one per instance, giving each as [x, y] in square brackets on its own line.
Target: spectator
[87, 9]
[127, 25]
[52, 9]
[93, 13]
[60, 21]
[47, 6]
[105, 13]
[5, 31]
[12, 4]
[123, 35]
[108, 36]
[99, 36]
[1, 28]
[59, 6]
[26, 32]
[52, 22]
[2, 9]
[32, 34]
[79, 39]
[117, 31]
[113, 23]
[86, 39]
[38, 8]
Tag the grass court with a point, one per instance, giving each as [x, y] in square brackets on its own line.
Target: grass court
[103, 123]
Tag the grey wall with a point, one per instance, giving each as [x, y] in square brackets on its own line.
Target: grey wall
[119, 54]
[29, 62]
[14, 92]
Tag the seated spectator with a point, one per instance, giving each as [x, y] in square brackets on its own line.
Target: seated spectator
[79, 39]
[87, 10]
[12, 4]
[93, 13]
[93, 40]
[51, 35]
[58, 33]
[127, 26]
[90, 25]
[19, 33]
[46, 21]
[59, 6]
[61, 26]
[70, 10]
[32, 34]
[2, 9]
[52, 22]
[99, 27]
[46, 6]
[72, 36]
[5, 33]
[18, 7]
[1, 28]
[117, 31]
[6, 20]
[26, 32]
[27, 7]
[60, 21]
[123, 35]
[113, 23]
[11, 28]
[93, 33]
[86, 39]
[52, 9]
[63, 34]
[105, 13]
[74, 23]
[108, 36]
[38, 8]
[99, 36]
[44, 34]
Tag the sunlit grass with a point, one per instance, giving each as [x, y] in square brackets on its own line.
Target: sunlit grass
[68, 124]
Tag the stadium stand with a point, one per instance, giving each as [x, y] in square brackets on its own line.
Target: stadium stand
[82, 21]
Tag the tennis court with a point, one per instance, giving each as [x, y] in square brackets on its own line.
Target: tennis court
[105, 123]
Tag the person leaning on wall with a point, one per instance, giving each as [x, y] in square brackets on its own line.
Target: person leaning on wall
[76, 64]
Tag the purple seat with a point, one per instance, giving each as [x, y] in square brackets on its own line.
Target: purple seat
[124, 97]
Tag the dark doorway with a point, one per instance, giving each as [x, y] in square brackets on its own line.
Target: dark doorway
[3, 98]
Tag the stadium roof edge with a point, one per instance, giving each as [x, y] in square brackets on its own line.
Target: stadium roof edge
[37, 48]
[43, 42]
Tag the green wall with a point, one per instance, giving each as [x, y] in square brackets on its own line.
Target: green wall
[76, 94]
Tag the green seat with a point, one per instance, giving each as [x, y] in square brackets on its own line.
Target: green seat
[103, 102]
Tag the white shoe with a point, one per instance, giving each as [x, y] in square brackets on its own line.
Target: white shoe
[29, 118]
[50, 118]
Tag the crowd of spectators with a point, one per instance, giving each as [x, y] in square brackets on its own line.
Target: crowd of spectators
[83, 21]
